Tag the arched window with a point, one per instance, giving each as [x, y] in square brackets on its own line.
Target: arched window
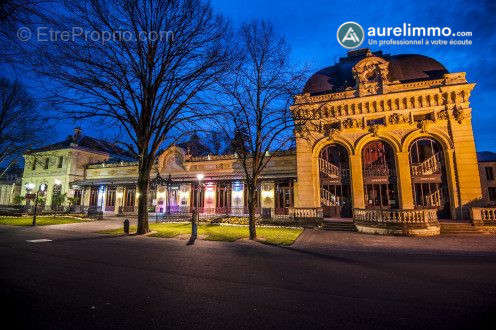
[379, 176]
[335, 191]
[427, 167]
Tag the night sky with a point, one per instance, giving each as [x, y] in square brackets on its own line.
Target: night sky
[310, 29]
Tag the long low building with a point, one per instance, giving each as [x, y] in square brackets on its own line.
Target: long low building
[387, 141]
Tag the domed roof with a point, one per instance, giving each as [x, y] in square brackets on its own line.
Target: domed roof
[403, 68]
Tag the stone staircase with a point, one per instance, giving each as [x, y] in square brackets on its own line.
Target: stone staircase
[459, 228]
[338, 225]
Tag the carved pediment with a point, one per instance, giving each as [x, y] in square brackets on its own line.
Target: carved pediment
[172, 160]
[371, 75]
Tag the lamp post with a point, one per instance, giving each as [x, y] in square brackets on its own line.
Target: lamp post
[196, 213]
[41, 189]
[168, 183]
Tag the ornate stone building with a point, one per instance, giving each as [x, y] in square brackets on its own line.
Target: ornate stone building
[387, 141]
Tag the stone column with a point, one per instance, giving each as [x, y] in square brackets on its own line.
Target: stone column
[307, 172]
[357, 191]
[465, 163]
[404, 181]
[451, 181]
[85, 199]
[119, 199]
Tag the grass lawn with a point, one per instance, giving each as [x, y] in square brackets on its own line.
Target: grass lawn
[215, 232]
[40, 220]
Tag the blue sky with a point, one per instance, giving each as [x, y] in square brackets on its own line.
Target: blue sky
[310, 29]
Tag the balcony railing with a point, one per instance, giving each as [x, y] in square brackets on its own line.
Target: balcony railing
[483, 215]
[416, 217]
[431, 165]
[306, 212]
[377, 171]
[332, 170]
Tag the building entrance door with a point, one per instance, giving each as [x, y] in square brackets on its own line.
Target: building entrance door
[335, 200]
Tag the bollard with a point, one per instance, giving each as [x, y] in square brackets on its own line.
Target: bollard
[126, 226]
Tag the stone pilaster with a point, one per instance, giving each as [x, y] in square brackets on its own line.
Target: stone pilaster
[357, 191]
[307, 194]
[404, 181]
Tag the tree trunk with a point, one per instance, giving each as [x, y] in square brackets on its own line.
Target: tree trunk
[251, 212]
[143, 184]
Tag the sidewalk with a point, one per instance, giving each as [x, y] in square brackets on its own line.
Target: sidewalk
[322, 241]
[316, 241]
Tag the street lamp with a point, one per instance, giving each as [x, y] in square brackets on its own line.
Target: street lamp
[42, 188]
[196, 213]
[29, 186]
[199, 177]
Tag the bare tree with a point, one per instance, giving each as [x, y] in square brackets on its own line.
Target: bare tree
[18, 112]
[217, 141]
[147, 76]
[256, 99]
[15, 17]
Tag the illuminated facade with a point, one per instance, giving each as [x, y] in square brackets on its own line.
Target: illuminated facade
[111, 186]
[387, 141]
[389, 137]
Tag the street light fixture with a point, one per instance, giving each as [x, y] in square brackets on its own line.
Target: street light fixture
[196, 213]
[29, 186]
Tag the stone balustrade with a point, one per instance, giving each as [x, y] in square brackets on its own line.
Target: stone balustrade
[397, 221]
[305, 212]
[483, 215]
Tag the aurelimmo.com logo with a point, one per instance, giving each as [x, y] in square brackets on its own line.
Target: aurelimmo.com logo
[350, 35]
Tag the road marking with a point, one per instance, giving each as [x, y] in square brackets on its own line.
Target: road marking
[41, 240]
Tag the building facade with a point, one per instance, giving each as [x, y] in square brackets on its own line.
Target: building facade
[10, 186]
[389, 137]
[487, 173]
[385, 140]
[57, 166]
[176, 187]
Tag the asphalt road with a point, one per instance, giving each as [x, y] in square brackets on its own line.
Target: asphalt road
[86, 281]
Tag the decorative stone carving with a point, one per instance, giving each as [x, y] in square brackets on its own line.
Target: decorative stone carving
[371, 75]
[374, 129]
[396, 118]
[454, 78]
[443, 114]
[459, 114]
[424, 125]
[351, 123]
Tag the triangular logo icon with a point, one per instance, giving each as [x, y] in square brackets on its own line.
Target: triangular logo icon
[350, 36]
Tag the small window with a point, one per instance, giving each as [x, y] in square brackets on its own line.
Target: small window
[492, 194]
[489, 174]
[33, 166]
[47, 163]
[61, 161]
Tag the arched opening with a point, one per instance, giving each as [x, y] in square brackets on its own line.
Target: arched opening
[428, 172]
[335, 191]
[379, 176]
